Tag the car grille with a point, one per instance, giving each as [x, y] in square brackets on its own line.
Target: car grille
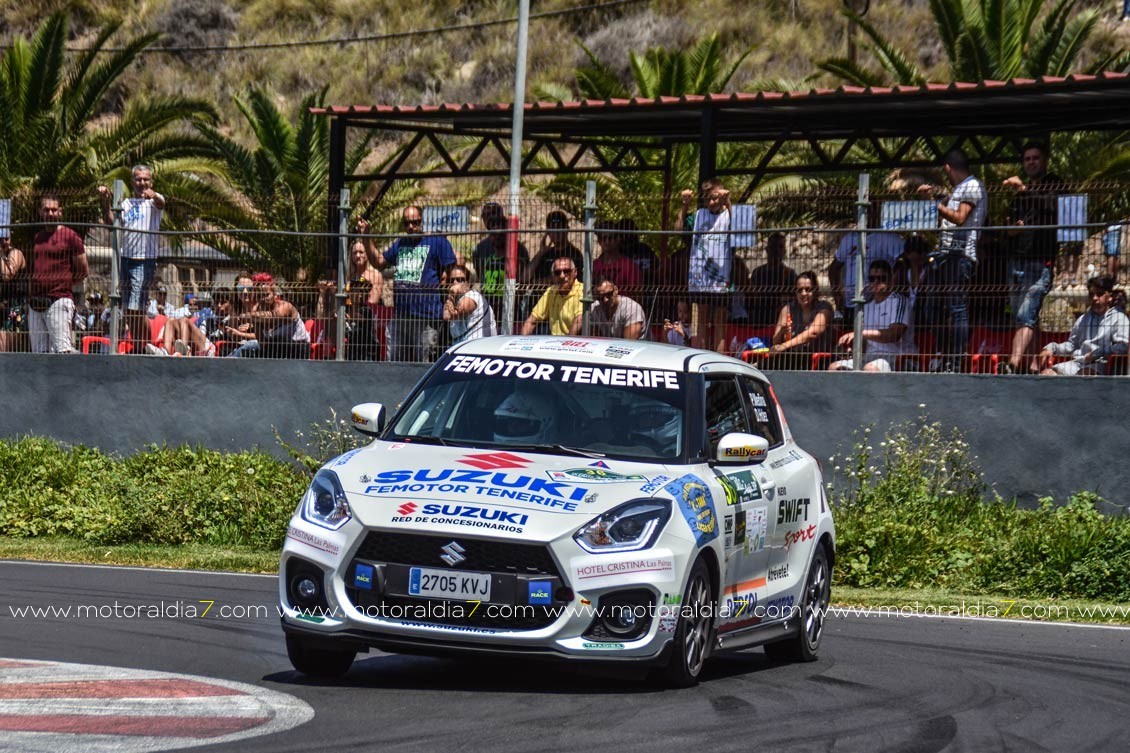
[482, 556]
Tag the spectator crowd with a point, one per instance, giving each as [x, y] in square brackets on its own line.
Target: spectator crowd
[921, 302]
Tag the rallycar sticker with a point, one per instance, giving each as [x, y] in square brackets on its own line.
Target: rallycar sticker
[614, 376]
[603, 570]
[697, 505]
[310, 540]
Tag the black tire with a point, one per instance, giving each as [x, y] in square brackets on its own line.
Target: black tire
[813, 608]
[695, 630]
[325, 664]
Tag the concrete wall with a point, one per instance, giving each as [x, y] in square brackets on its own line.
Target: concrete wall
[1034, 436]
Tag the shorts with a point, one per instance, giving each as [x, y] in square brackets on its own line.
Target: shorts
[1112, 241]
[137, 277]
[1030, 280]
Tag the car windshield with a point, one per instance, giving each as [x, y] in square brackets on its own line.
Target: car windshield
[554, 406]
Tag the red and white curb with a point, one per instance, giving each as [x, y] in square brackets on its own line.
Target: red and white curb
[52, 707]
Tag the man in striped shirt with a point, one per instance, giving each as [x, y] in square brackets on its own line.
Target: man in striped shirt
[887, 329]
[141, 219]
[1101, 332]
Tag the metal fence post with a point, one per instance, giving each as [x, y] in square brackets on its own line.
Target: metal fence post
[862, 203]
[115, 267]
[343, 210]
[586, 263]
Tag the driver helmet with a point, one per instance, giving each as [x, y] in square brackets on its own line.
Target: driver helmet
[525, 418]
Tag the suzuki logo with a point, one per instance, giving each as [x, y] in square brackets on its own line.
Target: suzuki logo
[453, 554]
[407, 508]
[493, 461]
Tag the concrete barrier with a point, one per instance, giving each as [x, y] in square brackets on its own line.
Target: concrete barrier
[1034, 436]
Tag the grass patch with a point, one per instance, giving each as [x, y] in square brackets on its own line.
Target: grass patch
[911, 513]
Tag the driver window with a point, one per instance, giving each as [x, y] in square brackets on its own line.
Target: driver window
[763, 412]
[725, 411]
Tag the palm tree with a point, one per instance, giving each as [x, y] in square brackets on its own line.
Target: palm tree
[280, 184]
[987, 40]
[658, 72]
[53, 130]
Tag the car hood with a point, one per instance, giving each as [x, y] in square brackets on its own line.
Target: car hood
[492, 492]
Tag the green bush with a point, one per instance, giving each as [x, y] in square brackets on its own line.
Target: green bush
[914, 515]
[160, 496]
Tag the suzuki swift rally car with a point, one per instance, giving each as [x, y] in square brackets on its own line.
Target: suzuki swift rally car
[566, 498]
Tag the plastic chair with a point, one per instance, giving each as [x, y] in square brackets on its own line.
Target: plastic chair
[89, 340]
[986, 346]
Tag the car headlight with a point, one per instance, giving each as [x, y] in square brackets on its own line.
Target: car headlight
[325, 503]
[631, 526]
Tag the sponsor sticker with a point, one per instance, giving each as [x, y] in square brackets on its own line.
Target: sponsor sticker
[363, 576]
[601, 570]
[668, 624]
[311, 540]
[792, 457]
[482, 483]
[603, 646]
[656, 483]
[472, 516]
[739, 528]
[757, 525]
[697, 505]
[540, 592]
[345, 457]
[744, 451]
[613, 376]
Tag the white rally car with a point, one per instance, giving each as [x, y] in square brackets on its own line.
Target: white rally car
[565, 498]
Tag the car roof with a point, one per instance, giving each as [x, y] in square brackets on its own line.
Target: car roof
[599, 351]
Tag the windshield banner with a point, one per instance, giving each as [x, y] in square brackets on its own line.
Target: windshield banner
[613, 376]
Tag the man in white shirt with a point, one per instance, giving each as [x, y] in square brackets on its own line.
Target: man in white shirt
[951, 265]
[886, 325]
[615, 315]
[141, 219]
[1101, 332]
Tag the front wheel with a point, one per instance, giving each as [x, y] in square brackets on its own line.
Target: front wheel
[325, 664]
[694, 630]
[812, 609]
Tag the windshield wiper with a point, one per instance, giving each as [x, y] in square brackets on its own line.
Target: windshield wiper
[566, 449]
[426, 439]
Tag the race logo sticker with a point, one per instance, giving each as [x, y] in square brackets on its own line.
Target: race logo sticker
[740, 487]
[745, 451]
[593, 476]
[792, 510]
[697, 505]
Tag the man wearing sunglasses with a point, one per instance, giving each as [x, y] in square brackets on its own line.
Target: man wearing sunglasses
[421, 261]
[615, 315]
[886, 325]
[561, 304]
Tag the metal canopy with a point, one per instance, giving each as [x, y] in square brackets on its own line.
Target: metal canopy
[896, 124]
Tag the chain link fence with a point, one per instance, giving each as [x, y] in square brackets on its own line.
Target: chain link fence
[776, 285]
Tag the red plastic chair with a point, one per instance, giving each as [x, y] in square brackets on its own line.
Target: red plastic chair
[89, 340]
[319, 350]
[986, 346]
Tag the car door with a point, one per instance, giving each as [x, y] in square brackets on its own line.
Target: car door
[787, 482]
[744, 511]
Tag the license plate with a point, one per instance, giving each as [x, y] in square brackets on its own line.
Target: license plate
[445, 584]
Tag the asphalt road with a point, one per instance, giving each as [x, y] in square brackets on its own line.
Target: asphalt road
[910, 685]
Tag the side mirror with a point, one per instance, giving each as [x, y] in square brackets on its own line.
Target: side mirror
[738, 448]
[368, 418]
